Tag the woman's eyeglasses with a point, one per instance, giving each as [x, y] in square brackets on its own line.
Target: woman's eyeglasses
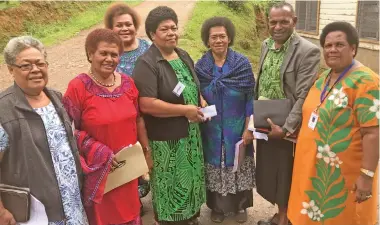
[29, 66]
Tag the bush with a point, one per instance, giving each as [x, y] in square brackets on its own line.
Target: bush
[271, 3]
[234, 5]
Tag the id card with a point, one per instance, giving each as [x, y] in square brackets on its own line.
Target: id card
[313, 120]
[178, 89]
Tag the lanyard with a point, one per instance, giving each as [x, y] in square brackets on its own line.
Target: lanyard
[323, 94]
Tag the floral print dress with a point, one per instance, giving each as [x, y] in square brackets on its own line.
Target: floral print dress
[328, 159]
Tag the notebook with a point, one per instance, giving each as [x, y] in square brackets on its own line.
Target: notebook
[240, 149]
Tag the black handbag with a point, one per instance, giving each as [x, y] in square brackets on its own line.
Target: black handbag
[17, 201]
[276, 110]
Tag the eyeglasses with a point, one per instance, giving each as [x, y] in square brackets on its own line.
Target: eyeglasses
[29, 66]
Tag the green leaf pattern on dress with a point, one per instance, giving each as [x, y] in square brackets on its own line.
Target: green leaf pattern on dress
[328, 197]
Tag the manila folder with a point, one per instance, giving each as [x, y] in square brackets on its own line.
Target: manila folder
[133, 165]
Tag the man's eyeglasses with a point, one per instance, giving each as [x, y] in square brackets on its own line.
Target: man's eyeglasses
[29, 66]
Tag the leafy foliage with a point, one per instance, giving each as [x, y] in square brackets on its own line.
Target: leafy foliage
[234, 5]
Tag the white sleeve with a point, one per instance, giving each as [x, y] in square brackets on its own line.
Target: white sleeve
[4, 141]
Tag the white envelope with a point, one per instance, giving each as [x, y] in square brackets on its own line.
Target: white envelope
[37, 213]
[209, 111]
[251, 125]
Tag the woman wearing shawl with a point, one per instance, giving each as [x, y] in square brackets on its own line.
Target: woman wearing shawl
[227, 82]
[103, 106]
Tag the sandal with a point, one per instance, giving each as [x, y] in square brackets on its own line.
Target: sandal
[272, 221]
[194, 222]
[241, 216]
[217, 217]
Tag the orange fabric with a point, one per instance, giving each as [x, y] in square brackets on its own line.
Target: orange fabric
[328, 159]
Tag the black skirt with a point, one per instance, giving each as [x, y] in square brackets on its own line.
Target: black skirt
[274, 168]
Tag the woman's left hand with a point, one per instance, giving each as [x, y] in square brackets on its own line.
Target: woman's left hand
[362, 188]
[248, 137]
[115, 163]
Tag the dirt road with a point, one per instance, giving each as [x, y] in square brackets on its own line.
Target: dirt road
[68, 59]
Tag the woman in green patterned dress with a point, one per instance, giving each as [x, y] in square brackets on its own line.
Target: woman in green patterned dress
[169, 100]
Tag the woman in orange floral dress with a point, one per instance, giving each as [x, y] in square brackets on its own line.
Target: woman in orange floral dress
[334, 176]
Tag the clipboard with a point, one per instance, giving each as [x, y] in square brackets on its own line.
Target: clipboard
[132, 165]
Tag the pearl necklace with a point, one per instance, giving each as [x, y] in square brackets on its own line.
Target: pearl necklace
[103, 84]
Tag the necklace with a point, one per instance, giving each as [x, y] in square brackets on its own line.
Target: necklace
[103, 84]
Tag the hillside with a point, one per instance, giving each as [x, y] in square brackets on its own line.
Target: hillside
[49, 21]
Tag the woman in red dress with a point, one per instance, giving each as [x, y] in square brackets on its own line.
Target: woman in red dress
[103, 106]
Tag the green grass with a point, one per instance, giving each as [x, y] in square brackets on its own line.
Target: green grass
[56, 32]
[10, 4]
[244, 21]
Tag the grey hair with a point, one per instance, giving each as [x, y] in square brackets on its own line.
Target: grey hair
[19, 44]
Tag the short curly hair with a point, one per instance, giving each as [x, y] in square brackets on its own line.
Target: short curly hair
[98, 35]
[118, 9]
[218, 21]
[18, 44]
[156, 16]
[347, 28]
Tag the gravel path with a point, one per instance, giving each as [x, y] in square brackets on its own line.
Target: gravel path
[68, 59]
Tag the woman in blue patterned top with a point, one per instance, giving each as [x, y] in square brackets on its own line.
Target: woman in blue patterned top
[227, 82]
[37, 146]
[125, 22]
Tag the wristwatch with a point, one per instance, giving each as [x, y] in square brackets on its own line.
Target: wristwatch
[368, 173]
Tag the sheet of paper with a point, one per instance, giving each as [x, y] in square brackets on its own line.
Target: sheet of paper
[209, 111]
[37, 213]
[251, 125]
[260, 136]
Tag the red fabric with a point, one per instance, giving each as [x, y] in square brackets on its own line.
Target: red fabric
[95, 159]
[106, 122]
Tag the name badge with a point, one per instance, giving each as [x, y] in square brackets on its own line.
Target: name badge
[178, 89]
[313, 120]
